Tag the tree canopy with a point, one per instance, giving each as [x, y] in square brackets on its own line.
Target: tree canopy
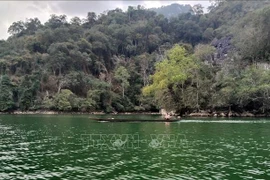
[104, 62]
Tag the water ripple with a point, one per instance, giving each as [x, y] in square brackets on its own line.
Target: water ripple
[219, 149]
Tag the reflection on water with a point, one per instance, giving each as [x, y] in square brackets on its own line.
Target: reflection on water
[44, 147]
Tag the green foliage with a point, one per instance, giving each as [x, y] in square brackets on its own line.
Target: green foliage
[27, 92]
[170, 76]
[6, 95]
[122, 76]
[173, 70]
[48, 104]
[198, 9]
[64, 100]
[101, 63]
[253, 41]
[248, 90]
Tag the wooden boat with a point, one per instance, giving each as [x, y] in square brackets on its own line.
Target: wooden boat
[132, 120]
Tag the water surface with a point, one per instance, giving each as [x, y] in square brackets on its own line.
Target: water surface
[76, 147]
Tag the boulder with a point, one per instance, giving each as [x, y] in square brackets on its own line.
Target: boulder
[164, 112]
[247, 114]
[222, 114]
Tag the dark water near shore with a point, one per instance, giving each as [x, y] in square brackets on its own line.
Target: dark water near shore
[76, 147]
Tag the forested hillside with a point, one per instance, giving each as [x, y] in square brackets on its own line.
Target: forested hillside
[173, 10]
[105, 62]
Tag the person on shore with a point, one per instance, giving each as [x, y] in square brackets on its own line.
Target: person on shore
[167, 116]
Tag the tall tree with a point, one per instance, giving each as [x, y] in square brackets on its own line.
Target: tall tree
[122, 76]
[198, 9]
[16, 28]
[171, 77]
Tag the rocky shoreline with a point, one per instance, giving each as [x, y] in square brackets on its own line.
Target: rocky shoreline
[197, 114]
[75, 113]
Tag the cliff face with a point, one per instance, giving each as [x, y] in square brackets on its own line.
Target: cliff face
[223, 46]
[173, 10]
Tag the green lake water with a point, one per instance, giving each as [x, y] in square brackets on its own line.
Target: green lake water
[76, 147]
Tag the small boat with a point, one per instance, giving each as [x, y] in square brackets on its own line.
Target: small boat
[132, 120]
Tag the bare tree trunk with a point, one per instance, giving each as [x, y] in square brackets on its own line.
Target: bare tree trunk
[61, 83]
[183, 97]
[197, 98]
[59, 88]
[144, 78]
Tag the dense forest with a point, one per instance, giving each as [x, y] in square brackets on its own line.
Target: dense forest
[138, 61]
[173, 10]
